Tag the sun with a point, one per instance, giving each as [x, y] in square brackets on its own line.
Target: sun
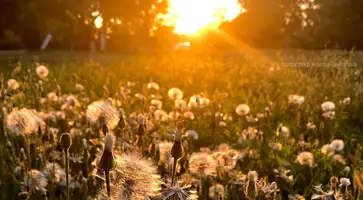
[189, 17]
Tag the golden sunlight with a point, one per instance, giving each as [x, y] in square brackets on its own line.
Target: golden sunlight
[189, 17]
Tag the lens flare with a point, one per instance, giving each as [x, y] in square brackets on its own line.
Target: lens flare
[189, 17]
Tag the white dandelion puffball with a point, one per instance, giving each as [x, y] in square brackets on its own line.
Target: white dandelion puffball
[296, 99]
[24, 121]
[192, 134]
[305, 158]
[242, 109]
[345, 181]
[337, 145]
[175, 94]
[35, 179]
[42, 71]
[328, 106]
[12, 84]
[153, 85]
[100, 112]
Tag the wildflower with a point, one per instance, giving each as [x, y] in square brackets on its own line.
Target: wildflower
[35, 180]
[296, 99]
[24, 121]
[42, 71]
[305, 158]
[12, 84]
[153, 85]
[52, 96]
[216, 191]
[328, 106]
[189, 115]
[192, 134]
[337, 145]
[103, 113]
[310, 126]
[242, 109]
[175, 94]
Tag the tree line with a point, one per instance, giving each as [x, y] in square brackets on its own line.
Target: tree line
[310, 24]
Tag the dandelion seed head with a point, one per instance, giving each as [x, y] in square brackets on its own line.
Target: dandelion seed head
[192, 134]
[189, 115]
[24, 121]
[12, 85]
[100, 112]
[153, 85]
[337, 145]
[326, 149]
[156, 103]
[175, 94]
[328, 106]
[42, 71]
[345, 182]
[346, 101]
[54, 173]
[161, 115]
[296, 99]
[35, 180]
[242, 109]
[136, 176]
[305, 158]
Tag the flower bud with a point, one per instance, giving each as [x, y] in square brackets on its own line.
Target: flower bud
[65, 141]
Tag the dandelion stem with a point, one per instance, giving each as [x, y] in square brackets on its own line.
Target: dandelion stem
[175, 163]
[67, 179]
[107, 173]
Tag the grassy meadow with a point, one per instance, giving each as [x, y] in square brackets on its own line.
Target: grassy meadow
[254, 125]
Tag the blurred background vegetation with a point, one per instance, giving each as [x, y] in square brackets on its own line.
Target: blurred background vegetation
[130, 25]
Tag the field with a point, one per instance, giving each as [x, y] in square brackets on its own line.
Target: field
[241, 125]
